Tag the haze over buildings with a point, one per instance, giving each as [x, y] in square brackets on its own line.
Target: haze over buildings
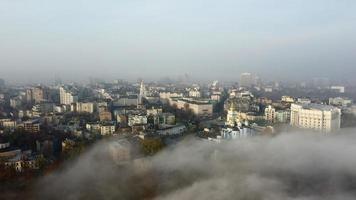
[259, 168]
[163, 99]
[151, 39]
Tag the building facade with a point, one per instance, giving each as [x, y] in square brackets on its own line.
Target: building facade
[200, 108]
[270, 114]
[67, 97]
[318, 117]
[84, 107]
[107, 129]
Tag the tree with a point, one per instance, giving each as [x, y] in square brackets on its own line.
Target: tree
[7, 172]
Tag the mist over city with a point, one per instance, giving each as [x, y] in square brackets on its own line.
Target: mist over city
[259, 168]
[167, 99]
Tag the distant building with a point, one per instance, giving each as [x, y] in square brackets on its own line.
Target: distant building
[340, 101]
[32, 126]
[7, 123]
[67, 97]
[268, 89]
[283, 116]
[15, 102]
[287, 99]
[22, 159]
[4, 143]
[142, 94]
[270, 114]
[304, 100]
[315, 116]
[244, 94]
[216, 96]
[123, 101]
[42, 108]
[40, 94]
[154, 111]
[172, 130]
[105, 116]
[84, 107]
[134, 120]
[167, 118]
[339, 89]
[247, 80]
[37, 94]
[93, 127]
[244, 103]
[122, 119]
[198, 107]
[236, 133]
[166, 96]
[107, 129]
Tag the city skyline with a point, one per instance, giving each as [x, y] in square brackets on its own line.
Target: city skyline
[178, 99]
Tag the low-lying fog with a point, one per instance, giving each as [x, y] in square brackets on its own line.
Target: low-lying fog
[288, 166]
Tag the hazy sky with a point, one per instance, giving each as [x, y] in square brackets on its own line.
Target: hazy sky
[154, 38]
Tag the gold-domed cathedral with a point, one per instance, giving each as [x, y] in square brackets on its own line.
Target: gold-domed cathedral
[232, 115]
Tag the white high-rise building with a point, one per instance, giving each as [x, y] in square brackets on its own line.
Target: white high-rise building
[142, 93]
[319, 117]
[66, 97]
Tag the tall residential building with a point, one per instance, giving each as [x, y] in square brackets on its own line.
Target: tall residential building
[319, 117]
[29, 95]
[283, 116]
[37, 94]
[40, 94]
[67, 97]
[270, 114]
[142, 93]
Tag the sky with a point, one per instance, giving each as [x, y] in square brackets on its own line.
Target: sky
[130, 39]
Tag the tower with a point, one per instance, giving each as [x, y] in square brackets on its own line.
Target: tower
[141, 95]
[232, 115]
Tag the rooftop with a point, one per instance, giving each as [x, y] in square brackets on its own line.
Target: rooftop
[314, 106]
